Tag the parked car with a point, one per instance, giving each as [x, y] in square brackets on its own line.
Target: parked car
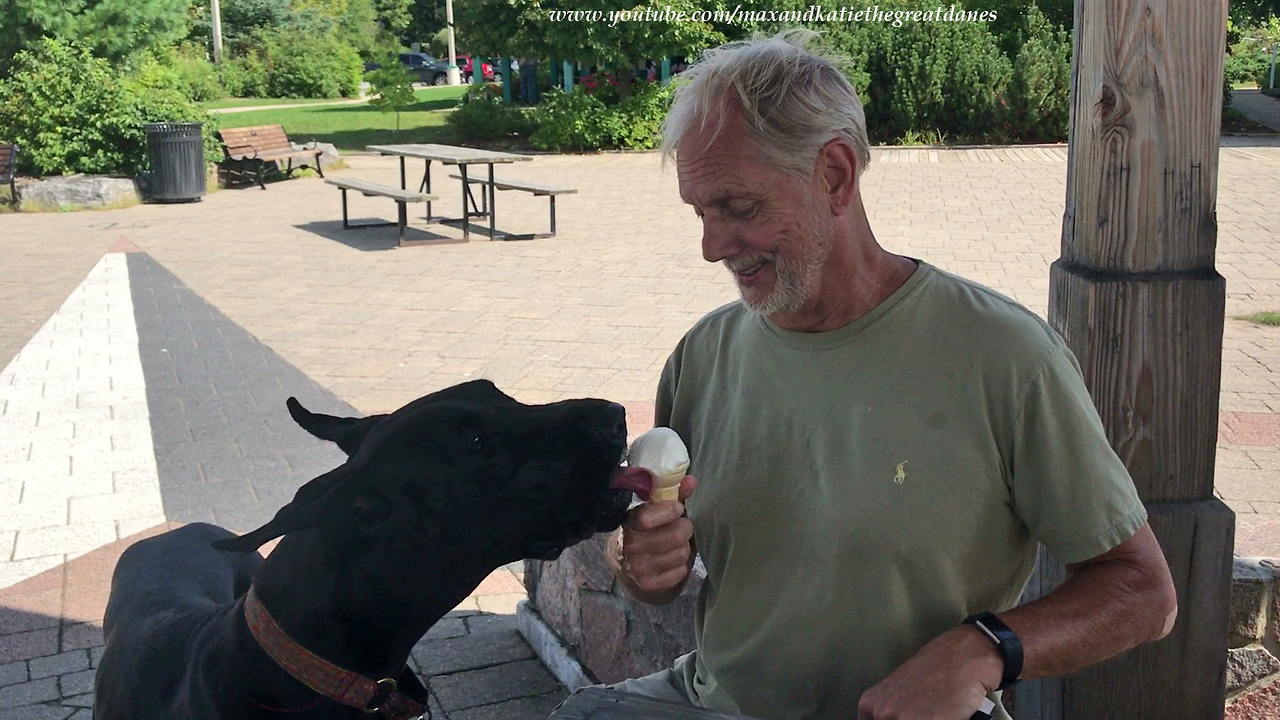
[426, 68]
[467, 67]
[423, 67]
[498, 70]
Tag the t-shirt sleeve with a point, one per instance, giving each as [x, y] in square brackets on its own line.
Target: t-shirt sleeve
[665, 400]
[1067, 483]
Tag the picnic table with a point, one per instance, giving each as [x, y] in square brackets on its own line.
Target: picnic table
[462, 157]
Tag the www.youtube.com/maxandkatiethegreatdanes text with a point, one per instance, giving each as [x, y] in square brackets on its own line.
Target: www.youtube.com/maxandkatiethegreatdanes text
[814, 13]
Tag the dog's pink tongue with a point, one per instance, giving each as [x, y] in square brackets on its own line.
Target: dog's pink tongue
[637, 480]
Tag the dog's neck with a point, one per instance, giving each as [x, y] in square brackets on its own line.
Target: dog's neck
[360, 622]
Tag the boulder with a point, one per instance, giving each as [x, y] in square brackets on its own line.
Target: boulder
[329, 154]
[74, 192]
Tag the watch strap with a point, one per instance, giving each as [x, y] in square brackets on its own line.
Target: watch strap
[1007, 644]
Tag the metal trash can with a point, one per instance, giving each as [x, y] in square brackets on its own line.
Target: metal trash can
[176, 155]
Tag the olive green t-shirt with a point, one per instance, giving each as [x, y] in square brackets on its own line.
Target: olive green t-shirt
[863, 490]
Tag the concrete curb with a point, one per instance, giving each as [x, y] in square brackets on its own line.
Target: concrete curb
[549, 648]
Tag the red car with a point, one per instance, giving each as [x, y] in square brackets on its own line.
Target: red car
[467, 66]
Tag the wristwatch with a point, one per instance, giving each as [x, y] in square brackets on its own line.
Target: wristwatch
[1006, 642]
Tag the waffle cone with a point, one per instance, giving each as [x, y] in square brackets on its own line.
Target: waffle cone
[667, 487]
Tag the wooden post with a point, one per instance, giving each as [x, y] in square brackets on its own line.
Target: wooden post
[568, 76]
[1136, 295]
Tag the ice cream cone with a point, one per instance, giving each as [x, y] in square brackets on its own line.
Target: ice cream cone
[667, 487]
[663, 454]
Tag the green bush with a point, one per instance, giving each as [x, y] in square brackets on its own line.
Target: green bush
[244, 76]
[1039, 100]
[482, 116]
[199, 77]
[577, 121]
[179, 69]
[636, 123]
[1246, 62]
[71, 112]
[944, 76]
[304, 67]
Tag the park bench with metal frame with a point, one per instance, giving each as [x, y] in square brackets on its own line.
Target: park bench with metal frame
[9, 170]
[372, 189]
[537, 189]
[248, 150]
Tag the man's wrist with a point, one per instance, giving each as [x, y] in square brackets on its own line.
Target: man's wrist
[1006, 642]
[981, 658]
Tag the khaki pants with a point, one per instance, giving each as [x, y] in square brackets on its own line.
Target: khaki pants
[670, 686]
[662, 685]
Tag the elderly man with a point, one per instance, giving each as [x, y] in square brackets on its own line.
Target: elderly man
[878, 445]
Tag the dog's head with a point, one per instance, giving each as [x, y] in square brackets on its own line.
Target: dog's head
[465, 467]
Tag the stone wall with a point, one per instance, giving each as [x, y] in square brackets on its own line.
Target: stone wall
[1253, 672]
[612, 637]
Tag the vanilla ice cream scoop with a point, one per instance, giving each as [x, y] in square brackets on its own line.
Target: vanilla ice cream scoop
[662, 453]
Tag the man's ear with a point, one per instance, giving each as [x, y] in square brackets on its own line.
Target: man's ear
[348, 433]
[325, 501]
[839, 168]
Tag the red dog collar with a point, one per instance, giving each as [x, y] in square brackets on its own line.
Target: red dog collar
[325, 678]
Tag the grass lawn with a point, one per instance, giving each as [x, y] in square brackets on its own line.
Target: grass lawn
[352, 127]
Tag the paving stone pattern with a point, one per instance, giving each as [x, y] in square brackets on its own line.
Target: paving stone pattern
[227, 450]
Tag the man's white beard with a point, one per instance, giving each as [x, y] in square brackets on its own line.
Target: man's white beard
[795, 276]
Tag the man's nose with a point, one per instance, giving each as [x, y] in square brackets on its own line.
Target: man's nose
[717, 242]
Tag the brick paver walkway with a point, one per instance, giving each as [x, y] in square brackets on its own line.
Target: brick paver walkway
[263, 293]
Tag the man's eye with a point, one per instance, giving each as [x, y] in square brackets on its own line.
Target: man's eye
[743, 211]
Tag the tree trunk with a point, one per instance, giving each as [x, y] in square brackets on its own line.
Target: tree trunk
[624, 81]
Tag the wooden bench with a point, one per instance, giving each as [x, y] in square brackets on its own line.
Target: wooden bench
[254, 147]
[538, 189]
[9, 170]
[372, 189]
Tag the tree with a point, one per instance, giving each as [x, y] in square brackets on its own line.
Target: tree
[393, 15]
[112, 29]
[527, 28]
[392, 88]
[243, 20]
[426, 18]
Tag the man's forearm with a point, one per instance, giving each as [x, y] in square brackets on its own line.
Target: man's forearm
[1099, 611]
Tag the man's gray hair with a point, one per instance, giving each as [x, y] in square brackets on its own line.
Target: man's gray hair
[793, 100]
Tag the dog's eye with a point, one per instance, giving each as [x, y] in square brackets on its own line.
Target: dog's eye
[477, 443]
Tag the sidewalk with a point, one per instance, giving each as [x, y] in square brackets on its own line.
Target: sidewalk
[1257, 107]
[253, 108]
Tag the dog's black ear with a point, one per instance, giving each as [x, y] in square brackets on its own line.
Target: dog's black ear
[323, 501]
[348, 433]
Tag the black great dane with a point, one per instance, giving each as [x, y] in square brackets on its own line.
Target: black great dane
[432, 498]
